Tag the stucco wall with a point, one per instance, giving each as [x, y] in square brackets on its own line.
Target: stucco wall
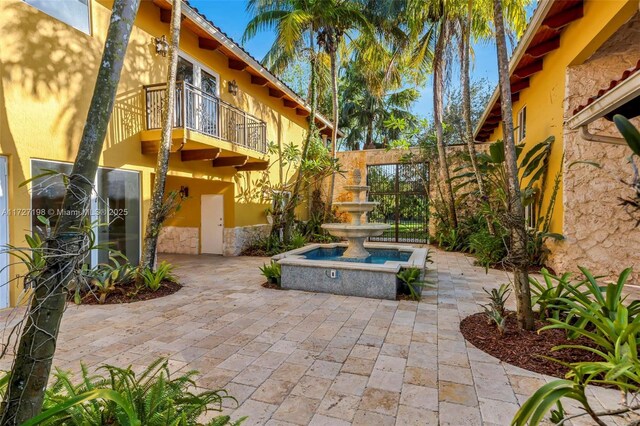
[599, 234]
[544, 98]
[47, 76]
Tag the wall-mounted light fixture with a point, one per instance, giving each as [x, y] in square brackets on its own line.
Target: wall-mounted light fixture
[184, 192]
[233, 87]
[162, 46]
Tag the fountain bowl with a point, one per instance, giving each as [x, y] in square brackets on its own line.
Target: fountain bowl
[347, 230]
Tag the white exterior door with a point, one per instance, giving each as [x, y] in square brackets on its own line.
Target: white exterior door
[211, 224]
[4, 235]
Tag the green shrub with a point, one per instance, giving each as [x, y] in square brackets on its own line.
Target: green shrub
[600, 314]
[153, 279]
[617, 345]
[488, 249]
[122, 397]
[550, 295]
[297, 240]
[270, 245]
[410, 278]
[104, 279]
[272, 272]
[589, 308]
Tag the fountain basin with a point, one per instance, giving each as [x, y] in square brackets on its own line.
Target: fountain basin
[322, 268]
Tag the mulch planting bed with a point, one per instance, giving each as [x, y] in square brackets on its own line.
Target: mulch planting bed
[124, 294]
[267, 284]
[525, 348]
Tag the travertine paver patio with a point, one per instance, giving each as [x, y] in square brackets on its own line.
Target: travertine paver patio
[292, 357]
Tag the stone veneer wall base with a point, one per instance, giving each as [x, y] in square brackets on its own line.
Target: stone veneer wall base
[179, 240]
[237, 239]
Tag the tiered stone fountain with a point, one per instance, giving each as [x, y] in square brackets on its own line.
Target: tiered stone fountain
[357, 231]
[349, 269]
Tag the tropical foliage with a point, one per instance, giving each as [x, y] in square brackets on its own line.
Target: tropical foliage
[121, 396]
[598, 313]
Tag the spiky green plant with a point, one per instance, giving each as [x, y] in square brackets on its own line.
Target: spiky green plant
[122, 397]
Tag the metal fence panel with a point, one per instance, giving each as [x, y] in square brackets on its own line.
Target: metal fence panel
[402, 191]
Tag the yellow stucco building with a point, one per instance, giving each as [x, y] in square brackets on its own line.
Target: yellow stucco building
[574, 55]
[229, 108]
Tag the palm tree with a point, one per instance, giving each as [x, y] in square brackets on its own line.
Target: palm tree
[158, 210]
[364, 113]
[465, 83]
[476, 24]
[297, 26]
[444, 35]
[65, 249]
[519, 255]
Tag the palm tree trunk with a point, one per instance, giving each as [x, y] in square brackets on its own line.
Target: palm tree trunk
[289, 210]
[334, 134]
[518, 255]
[154, 221]
[438, 86]
[466, 110]
[368, 143]
[64, 250]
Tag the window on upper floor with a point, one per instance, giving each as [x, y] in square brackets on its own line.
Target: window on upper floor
[71, 12]
[522, 124]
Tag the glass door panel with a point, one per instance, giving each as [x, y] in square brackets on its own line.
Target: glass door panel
[209, 104]
[184, 73]
[47, 192]
[118, 213]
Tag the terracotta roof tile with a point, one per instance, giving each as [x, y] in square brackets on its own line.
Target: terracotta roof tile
[626, 74]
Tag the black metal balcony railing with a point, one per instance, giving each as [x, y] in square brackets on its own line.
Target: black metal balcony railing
[206, 114]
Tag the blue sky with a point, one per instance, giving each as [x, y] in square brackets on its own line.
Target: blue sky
[232, 18]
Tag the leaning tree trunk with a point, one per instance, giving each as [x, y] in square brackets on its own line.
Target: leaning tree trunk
[289, 210]
[154, 218]
[466, 110]
[334, 134]
[438, 85]
[63, 251]
[518, 255]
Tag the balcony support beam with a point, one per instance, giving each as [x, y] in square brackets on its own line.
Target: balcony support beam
[152, 147]
[252, 167]
[200, 154]
[230, 161]
[302, 112]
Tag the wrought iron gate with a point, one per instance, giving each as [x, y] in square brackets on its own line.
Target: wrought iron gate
[402, 191]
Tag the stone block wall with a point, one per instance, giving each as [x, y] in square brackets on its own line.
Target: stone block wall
[600, 234]
[238, 238]
[180, 240]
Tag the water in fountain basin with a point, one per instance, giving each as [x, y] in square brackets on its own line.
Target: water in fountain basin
[378, 256]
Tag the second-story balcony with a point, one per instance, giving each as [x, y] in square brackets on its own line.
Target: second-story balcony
[196, 110]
